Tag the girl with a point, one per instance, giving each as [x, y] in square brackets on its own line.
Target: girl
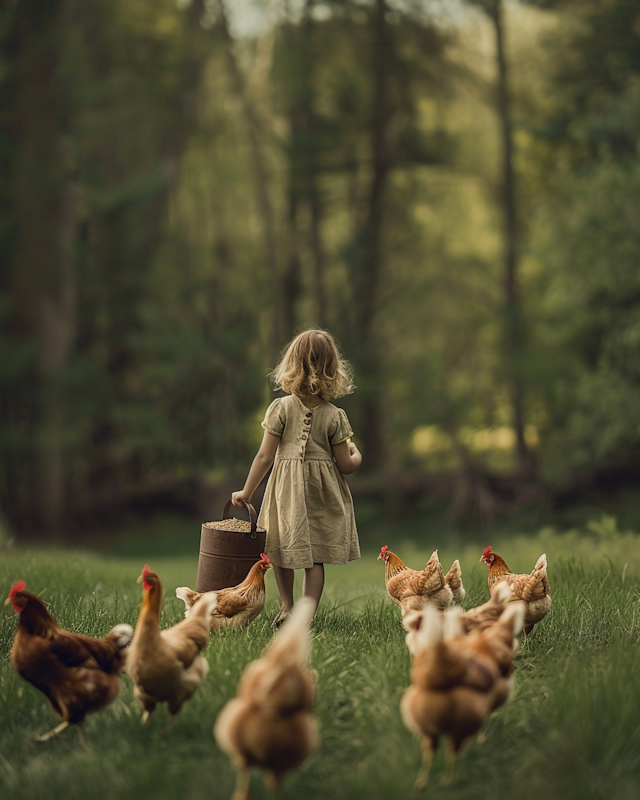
[307, 508]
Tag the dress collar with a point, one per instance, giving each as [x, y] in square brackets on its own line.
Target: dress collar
[307, 407]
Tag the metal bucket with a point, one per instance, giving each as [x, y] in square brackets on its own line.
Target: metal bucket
[227, 556]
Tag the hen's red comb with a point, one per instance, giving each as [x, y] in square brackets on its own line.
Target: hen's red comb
[146, 570]
[486, 551]
[265, 557]
[18, 586]
[384, 548]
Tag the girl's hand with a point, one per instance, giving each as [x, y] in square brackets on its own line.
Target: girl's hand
[239, 498]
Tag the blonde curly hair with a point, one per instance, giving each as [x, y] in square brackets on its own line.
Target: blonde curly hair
[312, 365]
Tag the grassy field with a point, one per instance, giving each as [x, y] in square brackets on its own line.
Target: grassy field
[572, 730]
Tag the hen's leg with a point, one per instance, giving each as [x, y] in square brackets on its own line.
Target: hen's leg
[58, 729]
[429, 744]
[243, 780]
[82, 742]
[272, 780]
[146, 704]
[450, 753]
[145, 701]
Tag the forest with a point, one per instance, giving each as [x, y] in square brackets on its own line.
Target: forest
[451, 187]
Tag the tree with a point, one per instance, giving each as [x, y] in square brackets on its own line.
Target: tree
[585, 242]
[85, 199]
[514, 333]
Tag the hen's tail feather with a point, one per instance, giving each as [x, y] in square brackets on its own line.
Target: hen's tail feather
[502, 593]
[538, 583]
[542, 561]
[204, 605]
[122, 634]
[188, 597]
[433, 563]
[433, 573]
[294, 637]
[452, 624]
[512, 619]
[454, 579]
[430, 628]
[540, 569]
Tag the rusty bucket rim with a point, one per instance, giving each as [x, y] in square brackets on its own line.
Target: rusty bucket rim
[253, 520]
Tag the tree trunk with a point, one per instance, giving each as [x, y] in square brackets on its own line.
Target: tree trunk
[310, 163]
[263, 198]
[43, 270]
[123, 260]
[368, 256]
[514, 333]
[291, 281]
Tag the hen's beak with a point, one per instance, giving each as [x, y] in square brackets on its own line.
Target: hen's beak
[139, 579]
[7, 601]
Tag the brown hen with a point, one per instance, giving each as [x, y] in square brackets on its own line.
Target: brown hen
[474, 620]
[410, 588]
[237, 605]
[270, 724]
[77, 674]
[166, 666]
[457, 681]
[532, 589]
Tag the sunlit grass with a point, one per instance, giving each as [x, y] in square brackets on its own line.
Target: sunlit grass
[572, 731]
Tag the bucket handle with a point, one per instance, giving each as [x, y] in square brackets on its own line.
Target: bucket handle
[253, 517]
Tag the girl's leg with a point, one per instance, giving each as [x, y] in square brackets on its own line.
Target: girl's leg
[284, 580]
[314, 582]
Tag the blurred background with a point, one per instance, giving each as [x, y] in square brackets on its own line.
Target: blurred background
[451, 188]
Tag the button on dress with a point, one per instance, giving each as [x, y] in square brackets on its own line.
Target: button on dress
[307, 507]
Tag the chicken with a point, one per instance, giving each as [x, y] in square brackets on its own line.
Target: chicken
[533, 589]
[270, 724]
[409, 588]
[474, 620]
[166, 666]
[77, 674]
[457, 680]
[483, 616]
[238, 605]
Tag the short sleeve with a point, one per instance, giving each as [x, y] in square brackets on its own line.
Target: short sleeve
[274, 418]
[339, 429]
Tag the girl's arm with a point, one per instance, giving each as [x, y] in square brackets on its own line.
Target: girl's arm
[259, 468]
[347, 456]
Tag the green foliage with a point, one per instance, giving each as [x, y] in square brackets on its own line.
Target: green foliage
[162, 289]
[587, 242]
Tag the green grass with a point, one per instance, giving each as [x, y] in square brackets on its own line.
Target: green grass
[572, 730]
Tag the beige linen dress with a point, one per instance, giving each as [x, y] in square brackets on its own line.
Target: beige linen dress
[307, 507]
